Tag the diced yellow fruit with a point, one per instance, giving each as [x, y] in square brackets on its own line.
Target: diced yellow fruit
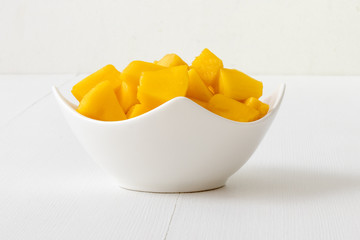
[137, 110]
[263, 108]
[170, 60]
[232, 109]
[197, 88]
[127, 92]
[108, 72]
[239, 86]
[158, 87]
[212, 89]
[100, 103]
[207, 65]
[136, 68]
[201, 103]
[130, 112]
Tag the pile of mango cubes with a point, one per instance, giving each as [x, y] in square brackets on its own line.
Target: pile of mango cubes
[109, 95]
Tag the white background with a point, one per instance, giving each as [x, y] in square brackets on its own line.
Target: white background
[318, 37]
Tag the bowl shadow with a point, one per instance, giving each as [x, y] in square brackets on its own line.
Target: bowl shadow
[276, 183]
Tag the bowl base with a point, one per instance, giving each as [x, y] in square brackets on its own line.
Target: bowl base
[190, 190]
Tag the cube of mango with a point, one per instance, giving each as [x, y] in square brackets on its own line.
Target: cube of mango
[197, 88]
[212, 89]
[201, 103]
[239, 86]
[232, 109]
[137, 110]
[136, 68]
[127, 92]
[158, 87]
[108, 72]
[207, 65]
[100, 103]
[255, 103]
[170, 60]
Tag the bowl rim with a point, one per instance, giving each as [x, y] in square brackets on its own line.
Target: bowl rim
[278, 95]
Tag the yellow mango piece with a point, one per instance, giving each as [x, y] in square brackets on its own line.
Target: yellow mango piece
[108, 72]
[100, 103]
[232, 109]
[201, 103]
[212, 89]
[255, 103]
[130, 112]
[137, 110]
[207, 65]
[197, 88]
[136, 68]
[158, 87]
[239, 86]
[127, 92]
[170, 60]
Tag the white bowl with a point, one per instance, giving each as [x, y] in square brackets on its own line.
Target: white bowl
[177, 147]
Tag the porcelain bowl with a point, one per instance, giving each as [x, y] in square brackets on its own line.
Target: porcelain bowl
[177, 147]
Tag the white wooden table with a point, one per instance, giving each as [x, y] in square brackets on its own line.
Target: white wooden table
[303, 182]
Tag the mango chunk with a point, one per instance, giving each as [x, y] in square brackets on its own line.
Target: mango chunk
[207, 65]
[158, 87]
[127, 92]
[170, 60]
[137, 110]
[255, 103]
[197, 88]
[136, 68]
[108, 72]
[100, 103]
[232, 109]
[201, 103]
[212, 89]
[239, 86]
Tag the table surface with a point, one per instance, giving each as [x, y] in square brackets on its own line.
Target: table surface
[303, 182]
